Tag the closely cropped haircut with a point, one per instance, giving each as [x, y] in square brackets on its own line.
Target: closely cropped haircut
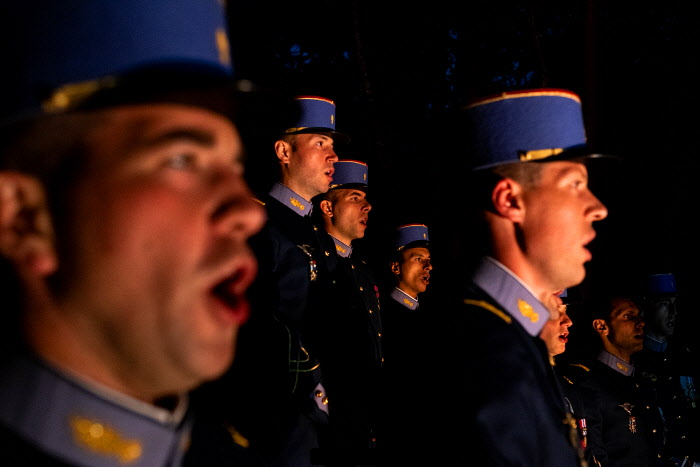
[52, 149]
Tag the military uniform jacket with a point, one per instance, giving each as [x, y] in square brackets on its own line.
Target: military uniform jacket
[620, 409]
[505, 404]
[412, 370]
[50, 419]
[274, 389]
[345, 333]
[588, 427]
[670, 369]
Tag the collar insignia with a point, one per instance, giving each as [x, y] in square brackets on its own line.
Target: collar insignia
[408, 302]
[295, 202]
[527, 311]
[102, 439]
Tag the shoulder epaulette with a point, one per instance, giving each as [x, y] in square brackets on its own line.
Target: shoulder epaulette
[584, 367]
[489, 307]
[237, 437]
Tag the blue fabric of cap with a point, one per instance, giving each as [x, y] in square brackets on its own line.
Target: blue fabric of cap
[347, 172]
[314, 112]
[410, 233]
[534, 124]
[661, 284]
[69, 42]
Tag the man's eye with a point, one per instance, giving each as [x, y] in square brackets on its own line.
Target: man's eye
[181, 161]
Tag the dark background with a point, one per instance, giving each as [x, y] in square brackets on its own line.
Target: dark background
[401, 74]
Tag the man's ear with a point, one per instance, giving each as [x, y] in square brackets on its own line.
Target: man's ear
[395, 268]
[326, 208]
[26, 232]
[283, 149]
[600, 326]
[506, 199]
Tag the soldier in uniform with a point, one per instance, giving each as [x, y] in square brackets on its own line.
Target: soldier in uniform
[408, 333]
[123, 235]
[275, 389]
[626, 426]
[555, 335]
[668, 364]
[344, 329]
[531, 203]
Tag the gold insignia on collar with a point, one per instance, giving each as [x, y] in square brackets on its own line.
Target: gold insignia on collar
[527, 311]
[295, 202]
[102, 439]
[340, 249]
[622, 367]
[408, 302]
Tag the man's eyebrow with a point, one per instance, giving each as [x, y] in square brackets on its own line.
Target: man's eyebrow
[204, 138]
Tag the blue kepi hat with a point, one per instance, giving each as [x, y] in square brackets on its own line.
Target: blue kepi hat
[527, 125]
[58, 54]
[349, 174]
[409, 234]
[315, 115]
[661, 285]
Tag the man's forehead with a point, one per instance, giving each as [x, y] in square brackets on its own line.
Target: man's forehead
[315, 136]
[559, 169]
[416, 251]
[623, 305]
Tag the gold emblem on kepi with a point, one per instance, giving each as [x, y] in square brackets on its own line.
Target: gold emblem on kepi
[527, 311]
[222, 45]
[102, 439]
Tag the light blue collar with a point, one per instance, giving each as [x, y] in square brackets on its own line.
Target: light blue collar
[291, 199]
[616, 363]
[404, 299]
[655, 346]
[341, 248]
[72, 422]
[511, 294]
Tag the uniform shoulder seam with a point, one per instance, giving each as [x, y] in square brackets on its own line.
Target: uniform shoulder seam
[489, 307]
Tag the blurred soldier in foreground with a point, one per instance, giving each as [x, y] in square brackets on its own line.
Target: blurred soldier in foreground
[124, 221]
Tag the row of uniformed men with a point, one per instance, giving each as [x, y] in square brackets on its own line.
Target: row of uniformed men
[125, 233]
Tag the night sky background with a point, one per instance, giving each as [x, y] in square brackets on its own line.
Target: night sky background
[401, 74]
